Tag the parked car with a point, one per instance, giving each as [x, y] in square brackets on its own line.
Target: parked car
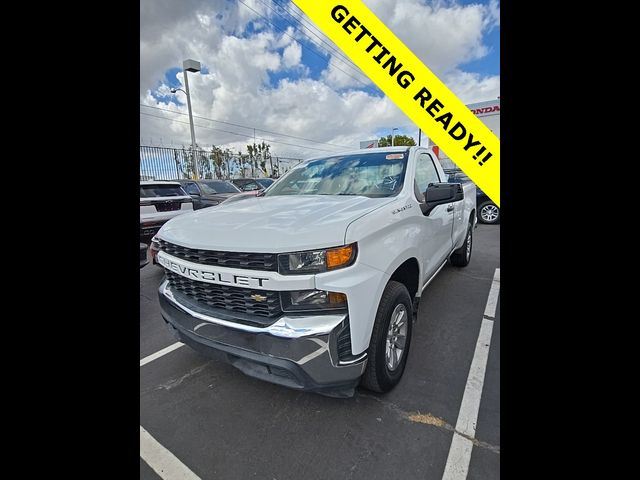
[160, 201]
[208, 193]
[265, 182]
[252, 184]
[313, 285]
[143, 254]
[242, 196]
[488, 211]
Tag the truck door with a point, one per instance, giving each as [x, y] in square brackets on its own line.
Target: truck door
[460, 223]
[437, 227]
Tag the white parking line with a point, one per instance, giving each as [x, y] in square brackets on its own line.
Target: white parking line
[492, 301]
[457, 465]
[159, 354]
[161, 460]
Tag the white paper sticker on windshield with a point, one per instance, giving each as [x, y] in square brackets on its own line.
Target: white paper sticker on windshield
[395, 156]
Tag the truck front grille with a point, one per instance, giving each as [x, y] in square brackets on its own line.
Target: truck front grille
[251, 261]
[233, 299]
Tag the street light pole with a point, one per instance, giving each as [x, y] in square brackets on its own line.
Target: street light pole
[191, 66]
[393, 136]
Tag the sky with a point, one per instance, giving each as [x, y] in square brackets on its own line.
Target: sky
[265, 66]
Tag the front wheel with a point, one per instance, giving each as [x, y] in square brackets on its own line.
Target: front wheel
[390, 339]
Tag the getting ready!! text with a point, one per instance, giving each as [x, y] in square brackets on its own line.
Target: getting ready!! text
[404, 78]
[388, 61]
[408, 82]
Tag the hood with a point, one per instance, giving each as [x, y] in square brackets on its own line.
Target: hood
[277, 224]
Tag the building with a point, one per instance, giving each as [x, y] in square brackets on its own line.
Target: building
[489, 113]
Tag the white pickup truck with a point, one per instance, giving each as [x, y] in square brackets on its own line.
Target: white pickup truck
[314, 284]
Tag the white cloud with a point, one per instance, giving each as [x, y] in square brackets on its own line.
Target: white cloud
[471, 87]
[339, 74]
[332, 109]
[442, 34]
[292, 55]
[494, 17]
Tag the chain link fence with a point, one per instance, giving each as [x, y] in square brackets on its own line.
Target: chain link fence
[166, 163]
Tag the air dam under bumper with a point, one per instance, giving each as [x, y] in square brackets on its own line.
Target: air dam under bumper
[296, 352]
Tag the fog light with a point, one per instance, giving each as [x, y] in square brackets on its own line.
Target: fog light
[312, 300]
[155, 248]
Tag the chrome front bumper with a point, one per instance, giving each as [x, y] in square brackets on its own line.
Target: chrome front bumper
[297, 352]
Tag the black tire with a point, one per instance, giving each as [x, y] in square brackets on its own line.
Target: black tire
[461, 256]
[378, 377]
[489, 213]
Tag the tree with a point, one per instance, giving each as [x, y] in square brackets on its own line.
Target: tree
[186, 162]
[227, 156]
[258, 156]
[252, 150]
[264, 154]
[244, 160]
[195, 158]
[202, 162]
[217, 156]
[398, 140]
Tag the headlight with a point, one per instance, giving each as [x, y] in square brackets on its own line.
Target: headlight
[317, 261]
[310, 300]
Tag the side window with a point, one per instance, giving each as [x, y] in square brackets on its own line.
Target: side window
[426, 173]
[191, 188]
[250, 186]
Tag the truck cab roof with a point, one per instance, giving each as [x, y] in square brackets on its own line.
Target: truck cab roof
[364, 151]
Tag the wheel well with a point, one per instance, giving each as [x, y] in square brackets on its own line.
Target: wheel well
[472, 217]
[408, 274]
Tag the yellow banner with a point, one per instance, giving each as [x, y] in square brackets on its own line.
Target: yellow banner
[412, 87]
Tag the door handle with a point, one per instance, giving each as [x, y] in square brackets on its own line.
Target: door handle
[450, 208]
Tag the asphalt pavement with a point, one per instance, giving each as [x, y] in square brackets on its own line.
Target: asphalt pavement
[221, 424]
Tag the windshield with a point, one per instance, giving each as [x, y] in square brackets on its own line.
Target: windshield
[367, 174]
[218, 187]
[150, 191]
[264, 182]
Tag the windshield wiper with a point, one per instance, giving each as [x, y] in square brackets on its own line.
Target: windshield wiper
[351, 194]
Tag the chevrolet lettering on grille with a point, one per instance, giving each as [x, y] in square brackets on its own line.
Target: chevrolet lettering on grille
[209, 276]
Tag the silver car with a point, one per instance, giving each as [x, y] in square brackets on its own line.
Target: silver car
[160, 201]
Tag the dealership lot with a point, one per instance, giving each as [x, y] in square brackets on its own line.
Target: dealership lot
[208, 418]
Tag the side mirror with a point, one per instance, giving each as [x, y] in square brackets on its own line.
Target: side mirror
[439, 194]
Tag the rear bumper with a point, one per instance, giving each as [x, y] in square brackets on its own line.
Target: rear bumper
[296, 352]
[150, 223]
[148, 230]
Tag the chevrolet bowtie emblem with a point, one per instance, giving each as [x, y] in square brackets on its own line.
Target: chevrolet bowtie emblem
[258, 298]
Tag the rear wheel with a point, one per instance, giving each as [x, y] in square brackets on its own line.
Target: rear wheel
[390, 339]
[488, 212]
[461, 256]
